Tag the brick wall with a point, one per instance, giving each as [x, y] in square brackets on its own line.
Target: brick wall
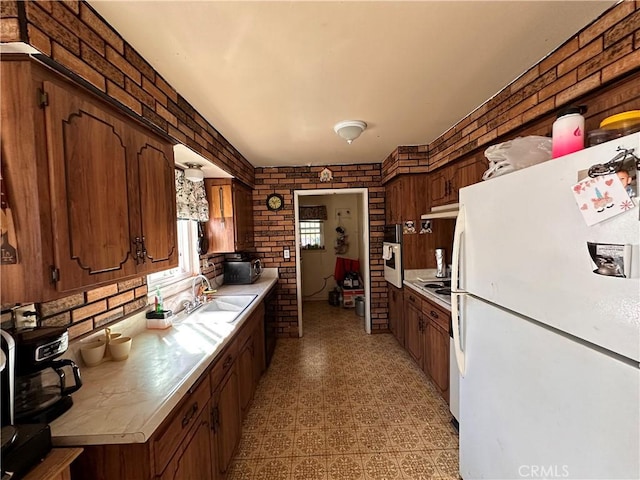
[73, 35]
[597, 67]
[276, 230]
[93, 309]
[96, 308]
[76, 37]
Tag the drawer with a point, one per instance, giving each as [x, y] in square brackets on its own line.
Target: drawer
[413, 298]
[245, 332]
[223, 364]
[180, 422]
[437, 315]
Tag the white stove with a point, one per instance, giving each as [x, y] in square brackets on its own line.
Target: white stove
[435, 288]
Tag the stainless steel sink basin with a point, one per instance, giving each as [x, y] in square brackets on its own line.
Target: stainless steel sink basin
[223, 308]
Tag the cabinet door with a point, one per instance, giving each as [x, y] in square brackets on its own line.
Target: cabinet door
[155, 186]
[413, 333]
[227, 420]
[243, 216]
[220, 228]
[395, 201]
[193, 461]
[466, 173]
[89, 172]
[259, 345]
[245, 374]
[396, 317]
[438, 358]
[440, 187]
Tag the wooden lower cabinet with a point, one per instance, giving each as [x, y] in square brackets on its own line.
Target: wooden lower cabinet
[245, 377]
[194, 460]
[427, 338]
[413, 340]
[199, 437]
[396, 317]
[251, 358]
[227, 421]
[438, 358]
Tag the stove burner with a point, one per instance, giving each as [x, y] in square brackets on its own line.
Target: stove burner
[433, 285]
[444, 291]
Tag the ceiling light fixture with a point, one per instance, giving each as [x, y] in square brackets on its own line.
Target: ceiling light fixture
[350, 129]
[194, 172]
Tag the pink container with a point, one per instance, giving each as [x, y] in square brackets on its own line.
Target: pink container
[568, 133]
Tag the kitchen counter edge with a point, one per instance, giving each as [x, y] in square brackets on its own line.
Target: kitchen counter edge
[64, 437]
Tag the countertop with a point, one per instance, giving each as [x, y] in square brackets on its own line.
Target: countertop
[426, 276]
[125, 402]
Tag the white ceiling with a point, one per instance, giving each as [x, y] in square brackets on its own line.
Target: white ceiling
[274, 77]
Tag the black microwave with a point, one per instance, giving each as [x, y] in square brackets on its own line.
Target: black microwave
[242, 272]
[393, 233]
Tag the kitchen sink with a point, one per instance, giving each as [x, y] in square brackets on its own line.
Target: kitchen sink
[223, 308]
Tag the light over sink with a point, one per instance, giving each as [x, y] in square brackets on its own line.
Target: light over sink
[223, 308]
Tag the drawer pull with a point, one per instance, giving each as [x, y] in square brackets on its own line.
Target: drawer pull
[227, 362]
[434, 314]
[189, 415]
[412, 298]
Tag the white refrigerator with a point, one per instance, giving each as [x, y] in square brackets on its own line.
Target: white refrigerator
[547, 349]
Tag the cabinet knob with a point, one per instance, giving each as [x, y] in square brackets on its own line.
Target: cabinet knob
[434, 314]
[227, 362]
[189, 415]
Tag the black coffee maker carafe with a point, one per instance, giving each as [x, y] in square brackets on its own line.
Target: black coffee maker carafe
[43, 385]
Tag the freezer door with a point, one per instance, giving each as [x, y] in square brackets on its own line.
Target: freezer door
[524, 247]
[536, 404]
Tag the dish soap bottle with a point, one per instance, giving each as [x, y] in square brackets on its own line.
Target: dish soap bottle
[159, 307]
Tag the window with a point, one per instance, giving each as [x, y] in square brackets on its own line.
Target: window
[311, 234]
[188, 260]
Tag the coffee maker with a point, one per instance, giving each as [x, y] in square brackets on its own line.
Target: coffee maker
[42, 387]
[23, 446]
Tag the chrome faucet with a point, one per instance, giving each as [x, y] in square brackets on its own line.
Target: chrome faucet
[195, 302]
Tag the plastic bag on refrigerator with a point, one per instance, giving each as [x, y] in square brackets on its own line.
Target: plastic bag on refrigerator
[521, 152]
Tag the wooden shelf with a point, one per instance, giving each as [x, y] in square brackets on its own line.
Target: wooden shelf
[55, 465]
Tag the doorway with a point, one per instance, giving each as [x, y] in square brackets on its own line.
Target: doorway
[358, 241]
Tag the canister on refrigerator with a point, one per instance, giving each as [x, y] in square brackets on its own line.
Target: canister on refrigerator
[568, 131]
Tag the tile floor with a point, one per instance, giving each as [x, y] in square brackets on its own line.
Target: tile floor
[340, 404]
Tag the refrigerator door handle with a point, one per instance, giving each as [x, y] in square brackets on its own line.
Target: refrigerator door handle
[455, 326]
[455, 294]
[457, 243]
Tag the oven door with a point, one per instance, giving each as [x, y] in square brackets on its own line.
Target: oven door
[393, 264]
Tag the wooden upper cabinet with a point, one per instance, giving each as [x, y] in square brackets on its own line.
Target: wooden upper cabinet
[92, 190]
[91, 211]
[156, 187]
[113, 198]
[406, 198]
[393, 202]
[243, 202]
[445, 183]
[230, 226]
